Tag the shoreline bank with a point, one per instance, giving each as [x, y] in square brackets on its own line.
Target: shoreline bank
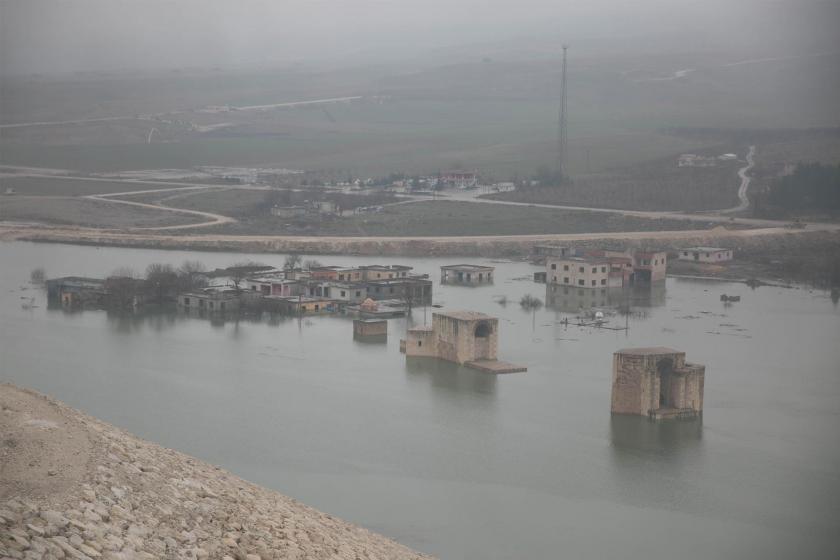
[77, 487]
[466, 246]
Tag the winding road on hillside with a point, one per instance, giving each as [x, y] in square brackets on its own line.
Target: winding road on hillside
[745, 184]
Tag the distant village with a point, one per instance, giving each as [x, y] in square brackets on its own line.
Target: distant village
[371, 291]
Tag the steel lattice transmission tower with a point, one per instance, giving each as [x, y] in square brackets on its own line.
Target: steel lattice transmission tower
[562, 138]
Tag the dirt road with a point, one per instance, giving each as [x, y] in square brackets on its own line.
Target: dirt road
[745, 184]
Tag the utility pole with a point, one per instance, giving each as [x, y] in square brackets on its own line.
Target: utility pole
[561, 148]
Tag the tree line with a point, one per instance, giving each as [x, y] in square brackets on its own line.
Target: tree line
[812, 188]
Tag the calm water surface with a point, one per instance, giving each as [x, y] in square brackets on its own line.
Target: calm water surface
[462, 464]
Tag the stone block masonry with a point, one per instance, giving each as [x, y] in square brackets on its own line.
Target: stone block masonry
[467, 338]
[370, 327]
[656, 382]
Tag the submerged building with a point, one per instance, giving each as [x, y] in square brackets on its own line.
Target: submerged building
[468, 274]
[468, 338]
[656, 382]
[705, 254]
[597, 269]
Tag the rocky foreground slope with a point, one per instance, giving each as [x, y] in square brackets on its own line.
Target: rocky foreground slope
[74, 487]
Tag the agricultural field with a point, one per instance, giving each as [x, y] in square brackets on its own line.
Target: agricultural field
[447, 218]
[496, 117]
[87, 213]
[655, 185]
[64, 186]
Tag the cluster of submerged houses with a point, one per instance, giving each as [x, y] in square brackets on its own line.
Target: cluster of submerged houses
[374, 290]
[367, 291]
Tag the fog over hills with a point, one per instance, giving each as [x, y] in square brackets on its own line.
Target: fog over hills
[46, 36]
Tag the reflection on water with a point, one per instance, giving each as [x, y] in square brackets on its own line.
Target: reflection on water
[630, 434]
[570, 299]
[450, 377]
[127, 322]
[370, 338]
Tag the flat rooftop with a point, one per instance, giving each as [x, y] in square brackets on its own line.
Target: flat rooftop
[648, 351]
[705, 249]
[466, 267]
[581, 260]
[464, 315]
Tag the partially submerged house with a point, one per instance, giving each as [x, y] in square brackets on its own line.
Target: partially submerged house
[209, 301]
[377, 309]
[344, 292]
[75, 291]
[656, 382]
[705, 254]
[385, 272]
[414, 289]
[302, 305]
[599, 269]
[370, 330]
[468, 338]
[466, 274]
[541, 252]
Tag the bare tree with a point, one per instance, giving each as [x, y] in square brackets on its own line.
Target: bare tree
[239, 271]
[122, 286]
[292, 261]
[37, 276]
[124, 272]
[161, 281]
[191, 276]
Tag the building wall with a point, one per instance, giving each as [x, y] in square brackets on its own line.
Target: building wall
[579, 274]
[421, 343]
[656, 264]
[347, 293]
[350, 275]
[630, 383]
[455, 276]
[370, 328]
[637, 383]
[323, 274]
[457, 342]
[705, 256]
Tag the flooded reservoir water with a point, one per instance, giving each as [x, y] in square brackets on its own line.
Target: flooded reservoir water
[463, 464]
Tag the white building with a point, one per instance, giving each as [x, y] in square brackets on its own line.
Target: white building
[705, 254]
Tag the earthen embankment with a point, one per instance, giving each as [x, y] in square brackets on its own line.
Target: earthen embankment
[483, 246]
[72, 486]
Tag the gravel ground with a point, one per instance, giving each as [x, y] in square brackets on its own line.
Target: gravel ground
[74, 487]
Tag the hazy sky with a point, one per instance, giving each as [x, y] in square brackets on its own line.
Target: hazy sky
[70, 35]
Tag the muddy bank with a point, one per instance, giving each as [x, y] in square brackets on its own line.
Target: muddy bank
[466, 246]
[75, 487]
